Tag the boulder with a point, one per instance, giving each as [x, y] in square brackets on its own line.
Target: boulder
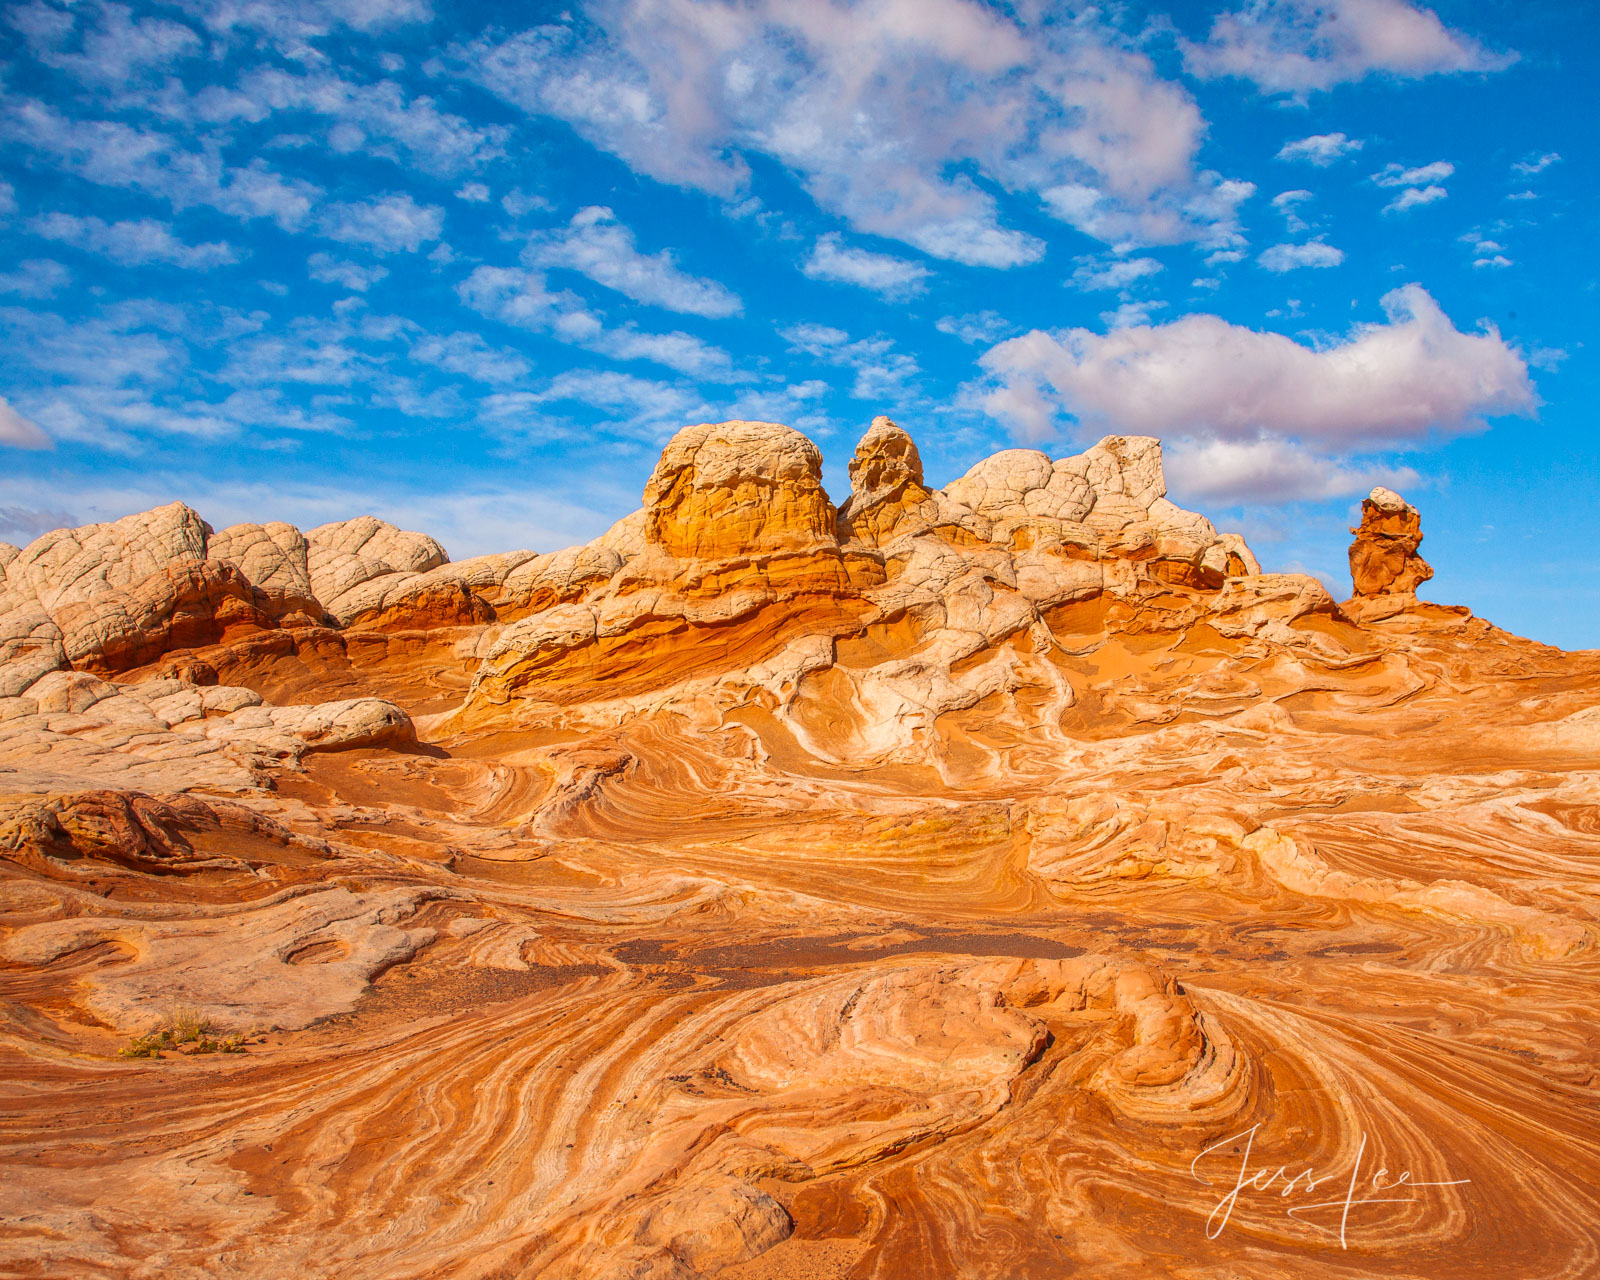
[731, 489]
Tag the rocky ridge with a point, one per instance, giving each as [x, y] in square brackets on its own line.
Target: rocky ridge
[913, 887]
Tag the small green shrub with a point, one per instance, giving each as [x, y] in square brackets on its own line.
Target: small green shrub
[186, 1030]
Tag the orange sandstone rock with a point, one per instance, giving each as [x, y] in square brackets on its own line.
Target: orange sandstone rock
[1383, 558]
[738, 488]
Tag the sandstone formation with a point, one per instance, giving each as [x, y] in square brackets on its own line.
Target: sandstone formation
[956, 882]
[1383, 558]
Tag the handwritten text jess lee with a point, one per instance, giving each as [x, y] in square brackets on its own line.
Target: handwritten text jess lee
[1304, 1183]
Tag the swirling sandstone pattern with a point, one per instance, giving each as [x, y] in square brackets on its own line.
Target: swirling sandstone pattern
[957, 883]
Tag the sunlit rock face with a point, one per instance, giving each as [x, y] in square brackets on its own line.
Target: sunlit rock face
[1383, 558]
[970, 881]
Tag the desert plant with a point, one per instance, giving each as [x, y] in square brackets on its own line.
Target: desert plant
[186, 1029]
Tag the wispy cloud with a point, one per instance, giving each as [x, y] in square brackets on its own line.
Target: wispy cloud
[1320, 149]
[882, 273]
[1112, 273]
[597, 245]
[18, 432]
[857, 109]
[386, 224]
[133, 243]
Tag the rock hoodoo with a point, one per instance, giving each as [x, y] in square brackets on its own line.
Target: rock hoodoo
[1383, 558]
[730, 489]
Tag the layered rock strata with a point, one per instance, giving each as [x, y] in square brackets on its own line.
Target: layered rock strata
[960, 882]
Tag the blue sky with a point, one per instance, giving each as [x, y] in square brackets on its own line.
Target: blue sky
[467, 267]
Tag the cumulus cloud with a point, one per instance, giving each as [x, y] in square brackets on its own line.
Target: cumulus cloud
[882, 273]
[1320, 149]
[596, 245]
[1295, 46]
[885, 110]
[387, 224]
[1203, 377]
[1290, 257]
[18, 432]
[1270, 471]
[133, 243]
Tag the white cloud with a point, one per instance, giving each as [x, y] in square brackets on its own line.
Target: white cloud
[35, 278]
[133, 243]
[1397, 175]
[882, 273]
[1270, 471]
[595, 244]
[1130, 313]
[386, 224]
[374, 119]
[1295, 46]
[519, 203]
[349, 275]
[469, 355]
[116, 50]
[677, 350]
[1112, 273]
[1411, 197]
[981, 326]
[21, 525]
[1498, 260]
[521, 298]
[1290, 257]
[291, 25]
[1203, 377]
[881, 372]
[114, 154]
[1320, 149]
[473, 192]
[885, 111]
[1536, 163]
[1287, 203]
[18, 432]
